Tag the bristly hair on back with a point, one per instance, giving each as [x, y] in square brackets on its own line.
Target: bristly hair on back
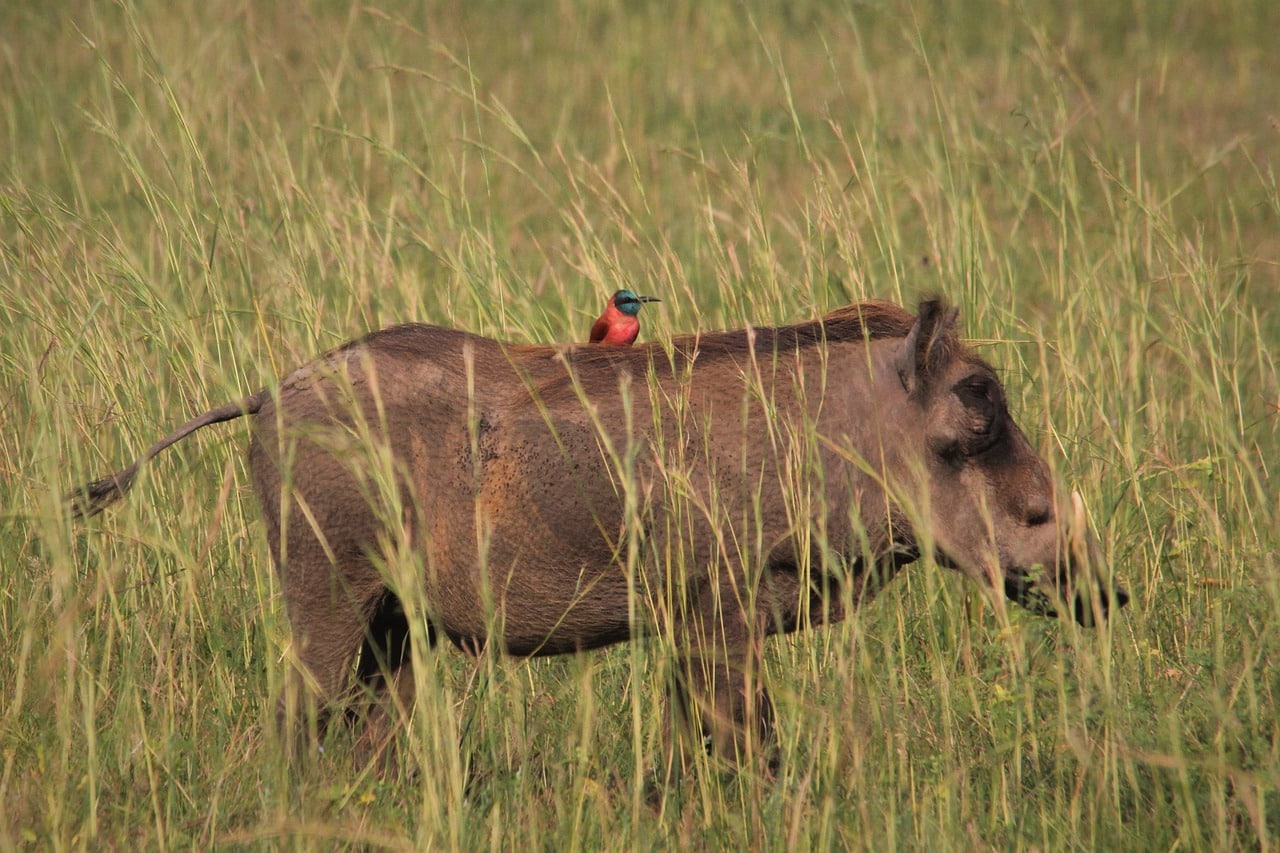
[857, 322]
[864, 321]
[860, 321]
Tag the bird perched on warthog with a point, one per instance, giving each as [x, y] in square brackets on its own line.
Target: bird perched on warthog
[620, 322]
[551, 499]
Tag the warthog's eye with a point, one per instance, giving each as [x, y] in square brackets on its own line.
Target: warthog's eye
[985, 414]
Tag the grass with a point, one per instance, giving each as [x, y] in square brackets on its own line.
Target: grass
[197, 197]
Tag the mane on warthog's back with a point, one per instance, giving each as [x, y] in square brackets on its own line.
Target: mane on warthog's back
[858, 322]
[593, 368]
[555, 372]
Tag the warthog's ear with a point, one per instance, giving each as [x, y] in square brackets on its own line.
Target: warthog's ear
[925, 348]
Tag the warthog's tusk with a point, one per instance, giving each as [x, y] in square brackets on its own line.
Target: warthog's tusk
[1079, 528]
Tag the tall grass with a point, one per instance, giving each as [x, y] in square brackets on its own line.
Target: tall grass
[197, 197]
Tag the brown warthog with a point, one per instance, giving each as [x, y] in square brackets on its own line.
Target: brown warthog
[555, 499]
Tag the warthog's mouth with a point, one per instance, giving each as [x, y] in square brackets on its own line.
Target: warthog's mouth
[1088, 605]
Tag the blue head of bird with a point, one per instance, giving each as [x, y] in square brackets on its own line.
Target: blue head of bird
[628, 303]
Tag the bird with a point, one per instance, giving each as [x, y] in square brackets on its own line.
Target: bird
[619, 324]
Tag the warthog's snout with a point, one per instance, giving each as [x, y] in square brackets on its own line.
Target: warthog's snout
[1084, 607]
[1080, 580]
[1089, 604]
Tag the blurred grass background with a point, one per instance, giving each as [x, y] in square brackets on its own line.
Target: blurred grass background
[197, 197]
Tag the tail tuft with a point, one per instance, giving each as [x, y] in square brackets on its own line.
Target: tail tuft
[91, 499]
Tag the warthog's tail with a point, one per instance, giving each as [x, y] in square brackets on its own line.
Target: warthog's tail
[93, 498]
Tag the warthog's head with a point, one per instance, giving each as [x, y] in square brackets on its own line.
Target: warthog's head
[985, 494]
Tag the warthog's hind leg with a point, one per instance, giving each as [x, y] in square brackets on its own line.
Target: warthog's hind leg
[385, 673]
[331, 612]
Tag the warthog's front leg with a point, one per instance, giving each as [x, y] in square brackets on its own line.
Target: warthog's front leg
[717, 695]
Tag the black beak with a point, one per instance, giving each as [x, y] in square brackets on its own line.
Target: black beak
[648, 299]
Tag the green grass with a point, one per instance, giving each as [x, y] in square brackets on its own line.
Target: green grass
[195, 197]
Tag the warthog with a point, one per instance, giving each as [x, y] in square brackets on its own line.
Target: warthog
[553, 499]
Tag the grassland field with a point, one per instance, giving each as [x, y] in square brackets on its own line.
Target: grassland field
[196, 197]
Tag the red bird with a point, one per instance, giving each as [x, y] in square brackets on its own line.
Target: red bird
[619, 324]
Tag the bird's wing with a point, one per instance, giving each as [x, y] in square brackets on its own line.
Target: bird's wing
[599, 329]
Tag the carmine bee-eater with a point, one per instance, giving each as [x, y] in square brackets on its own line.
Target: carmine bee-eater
[619, 324]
